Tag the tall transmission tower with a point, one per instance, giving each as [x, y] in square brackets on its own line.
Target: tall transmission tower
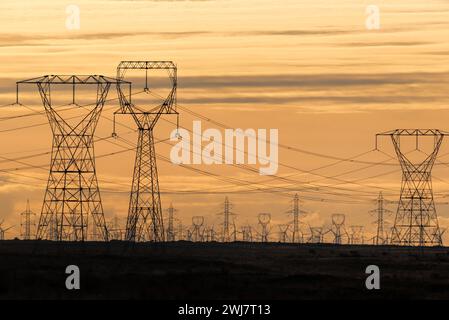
[72, 196]
[171, 228]
[416, 222]
[380, 211]
[264, 221]
[27, 223]
[227, 234]
[145, 210]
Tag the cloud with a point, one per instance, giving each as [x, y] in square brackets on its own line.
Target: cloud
[386, 44]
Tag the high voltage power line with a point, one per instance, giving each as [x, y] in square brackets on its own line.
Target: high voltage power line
[248, 168]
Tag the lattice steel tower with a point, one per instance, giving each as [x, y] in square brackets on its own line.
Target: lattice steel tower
[171, 228]
[296, 212]
[338, 227]
[264, 221]
[27, 223]
[416, 222]
[145, 221]
[380, 211]
[227, 235]
[72, 196]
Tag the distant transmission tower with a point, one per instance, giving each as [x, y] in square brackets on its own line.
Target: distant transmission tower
[338, 229]
[416, 222]
[356, 236]
[380, 211]
[145, 211]
[264, 221]
[3, 231]
[210, 234]
[283, 228]
[247, 235]
[72, 196]
[27, 223]
[316, 234]
[115, 230]
[296, 233]
[227, 234]
[171, 228]
[197, 232]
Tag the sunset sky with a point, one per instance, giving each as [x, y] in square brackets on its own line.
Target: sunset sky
[310, 69]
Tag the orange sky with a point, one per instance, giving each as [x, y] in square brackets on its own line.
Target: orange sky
[309, 69]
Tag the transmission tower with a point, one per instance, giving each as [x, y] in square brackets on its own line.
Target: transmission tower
[380, 211]
[416, 222]
[227, 235]
[338, 229]
[145, 210]
[72, 196]
[3, 231]
[247, 234]
[295, 211]
[264, 221]
[316, 234]
[115, 230]
[197, 233]
[27, 223]
[181, 233]
[171, 229]
[283, 228]
[210, 234]
[356, 236]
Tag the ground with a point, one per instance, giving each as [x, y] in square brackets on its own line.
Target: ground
[184, 270]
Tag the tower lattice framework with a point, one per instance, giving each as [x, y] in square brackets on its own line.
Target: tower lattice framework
[296, 233]
[416, 222]
[145, 220]
[72, 196]
[27, 224]
[381, 236]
